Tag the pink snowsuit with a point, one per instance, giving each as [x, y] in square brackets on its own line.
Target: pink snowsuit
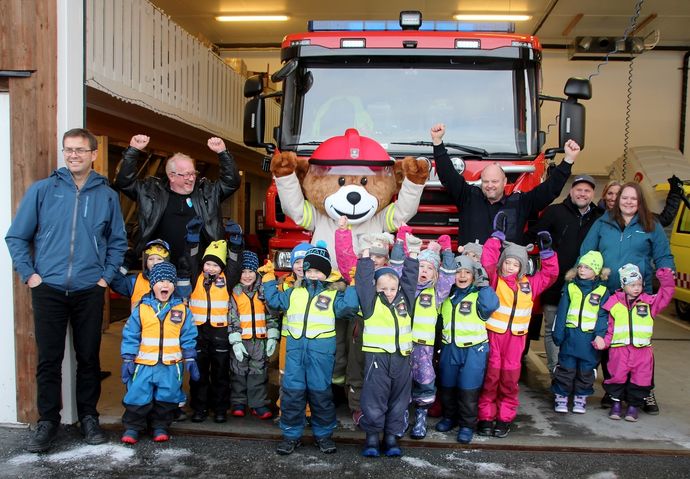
[499, 397]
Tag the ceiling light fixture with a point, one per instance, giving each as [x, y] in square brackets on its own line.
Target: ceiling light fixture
[252, 18]
[492, 17]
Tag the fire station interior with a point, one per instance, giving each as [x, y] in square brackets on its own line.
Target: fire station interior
[569, 34]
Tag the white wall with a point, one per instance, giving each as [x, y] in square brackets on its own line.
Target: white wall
[8, 380]
[655, 107]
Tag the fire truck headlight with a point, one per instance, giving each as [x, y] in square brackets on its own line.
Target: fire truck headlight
[410, 20]
[281, 259]
[458, 164]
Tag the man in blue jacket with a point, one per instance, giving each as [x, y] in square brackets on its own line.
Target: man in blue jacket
[66, 242]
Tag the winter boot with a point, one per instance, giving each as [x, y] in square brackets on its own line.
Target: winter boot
[390, 444]
[615, 412]
[560, 403]
[446, 424]
[371, 445]
[465, 435]
[580, 404]
[485, 428]
[501, 429]
[419, 429]
[650, 405]
[288, 446]
[631, 414]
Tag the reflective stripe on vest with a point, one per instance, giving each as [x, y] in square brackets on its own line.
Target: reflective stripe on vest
[632, 326]
[311, 317]
[514, 310]
[252, 315]
[212, 304]
[425, 317]
[583, 310]
[160, 340]
[141, 287]
[388, 329]
[462, 324]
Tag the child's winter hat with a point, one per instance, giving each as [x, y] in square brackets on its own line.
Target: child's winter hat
[430, 256]
[317, 257]
[594, 260]
[385, 270]
[250, 261]
[629, 273]
[217, 252]
[163, 272]
[473, 248]
[157, 247]
[465, 262]
[381, 243]
[515, 251]
[299, 252]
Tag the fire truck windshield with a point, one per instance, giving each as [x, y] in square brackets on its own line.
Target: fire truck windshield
[490, 107]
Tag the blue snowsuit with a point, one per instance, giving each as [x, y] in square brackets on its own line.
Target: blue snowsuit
[461, 369]
[577, 358]
[309, 363]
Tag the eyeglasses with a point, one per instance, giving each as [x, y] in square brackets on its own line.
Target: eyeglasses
[186, 176]
[78, 151]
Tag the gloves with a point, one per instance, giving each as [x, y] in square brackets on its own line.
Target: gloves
[271, 347]
[444, 241]
[234, 232]
[481, 279]
[414, 244]
[267, 271]
[192, 368]
[403, 231]
[364, 243]
[544, 241]
[237, 347]
[500, 226]
[128, 367]
[676, 184]
[194, 229]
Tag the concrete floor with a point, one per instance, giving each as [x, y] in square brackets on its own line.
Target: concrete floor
[536, 427]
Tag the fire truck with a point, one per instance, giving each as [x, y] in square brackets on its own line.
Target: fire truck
[393, 80]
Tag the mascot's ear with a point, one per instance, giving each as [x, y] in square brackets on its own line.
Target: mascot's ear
[283, 164]
[302, 168]
[417, 171]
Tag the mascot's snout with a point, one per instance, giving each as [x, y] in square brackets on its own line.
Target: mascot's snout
[353, 201]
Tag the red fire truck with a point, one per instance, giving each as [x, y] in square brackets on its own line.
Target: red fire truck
[392, 81]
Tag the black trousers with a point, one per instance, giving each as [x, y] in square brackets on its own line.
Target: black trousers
[212, 390]
[53, 311]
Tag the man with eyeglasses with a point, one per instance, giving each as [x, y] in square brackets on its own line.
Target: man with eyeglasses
[166, 207]
[66, 242]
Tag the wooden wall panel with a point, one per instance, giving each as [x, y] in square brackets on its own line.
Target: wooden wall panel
[17, 28]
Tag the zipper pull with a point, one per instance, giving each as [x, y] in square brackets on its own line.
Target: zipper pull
[376, 365]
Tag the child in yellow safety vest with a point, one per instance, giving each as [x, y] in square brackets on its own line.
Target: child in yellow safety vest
[631, 314]
[254, 335]
[210, 306]
[157, 337]
[508, 325]
[577, 326]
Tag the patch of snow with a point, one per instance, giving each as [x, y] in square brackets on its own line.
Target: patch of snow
[427, 466]
[603, 475]
[112, 452]
[23, 459]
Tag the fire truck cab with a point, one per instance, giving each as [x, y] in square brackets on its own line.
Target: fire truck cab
[393, 80]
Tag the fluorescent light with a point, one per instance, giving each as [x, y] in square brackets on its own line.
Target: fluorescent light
[252, 18]
[492, 18]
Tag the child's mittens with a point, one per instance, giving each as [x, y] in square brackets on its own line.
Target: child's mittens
[481, 278]
[434, 246]
[192, 368]
[414, 244]
[234, 232]
[665, 276]
[599, 343]
[402, 233]
[544, 241]
[364, 243]
[272, 341]
[128, 367]
[267, 272]
[237, 347]
[444, 241]
[194, 229]
[500, 226]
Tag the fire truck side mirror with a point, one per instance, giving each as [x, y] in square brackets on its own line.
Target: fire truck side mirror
[253, 131]
[253, 86]
[572, 113]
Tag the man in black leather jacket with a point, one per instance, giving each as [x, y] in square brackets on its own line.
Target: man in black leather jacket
[167, 206]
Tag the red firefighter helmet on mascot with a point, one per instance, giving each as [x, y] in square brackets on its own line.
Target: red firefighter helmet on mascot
[352, 158]
[351, 149]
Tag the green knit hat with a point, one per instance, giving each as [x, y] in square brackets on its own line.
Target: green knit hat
[594, 260]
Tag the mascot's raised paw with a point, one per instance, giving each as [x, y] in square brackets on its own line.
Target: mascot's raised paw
[417, 171]
[283, 164]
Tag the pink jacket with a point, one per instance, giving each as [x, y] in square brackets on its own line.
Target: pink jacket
[540, 281]
[659, 301]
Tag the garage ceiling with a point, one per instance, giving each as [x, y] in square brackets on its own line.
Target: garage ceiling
[553, 21]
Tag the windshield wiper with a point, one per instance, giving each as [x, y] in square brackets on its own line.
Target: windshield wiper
[308, 143]
[473, 150]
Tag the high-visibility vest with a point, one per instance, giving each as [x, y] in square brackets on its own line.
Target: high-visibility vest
[288, 283]
[461, 323]
[632, 326]
[388, 329]
[160, 340]
[311, 317]
[213, 304]
[252, 315]
[141, 287]
[584, 309]
[425, 317]
[514, 310]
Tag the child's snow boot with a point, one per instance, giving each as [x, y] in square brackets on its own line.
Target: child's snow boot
[580, 404]
[560, 403]
[419, 429]
[390, 444]
[371, 445]
[616, 409]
